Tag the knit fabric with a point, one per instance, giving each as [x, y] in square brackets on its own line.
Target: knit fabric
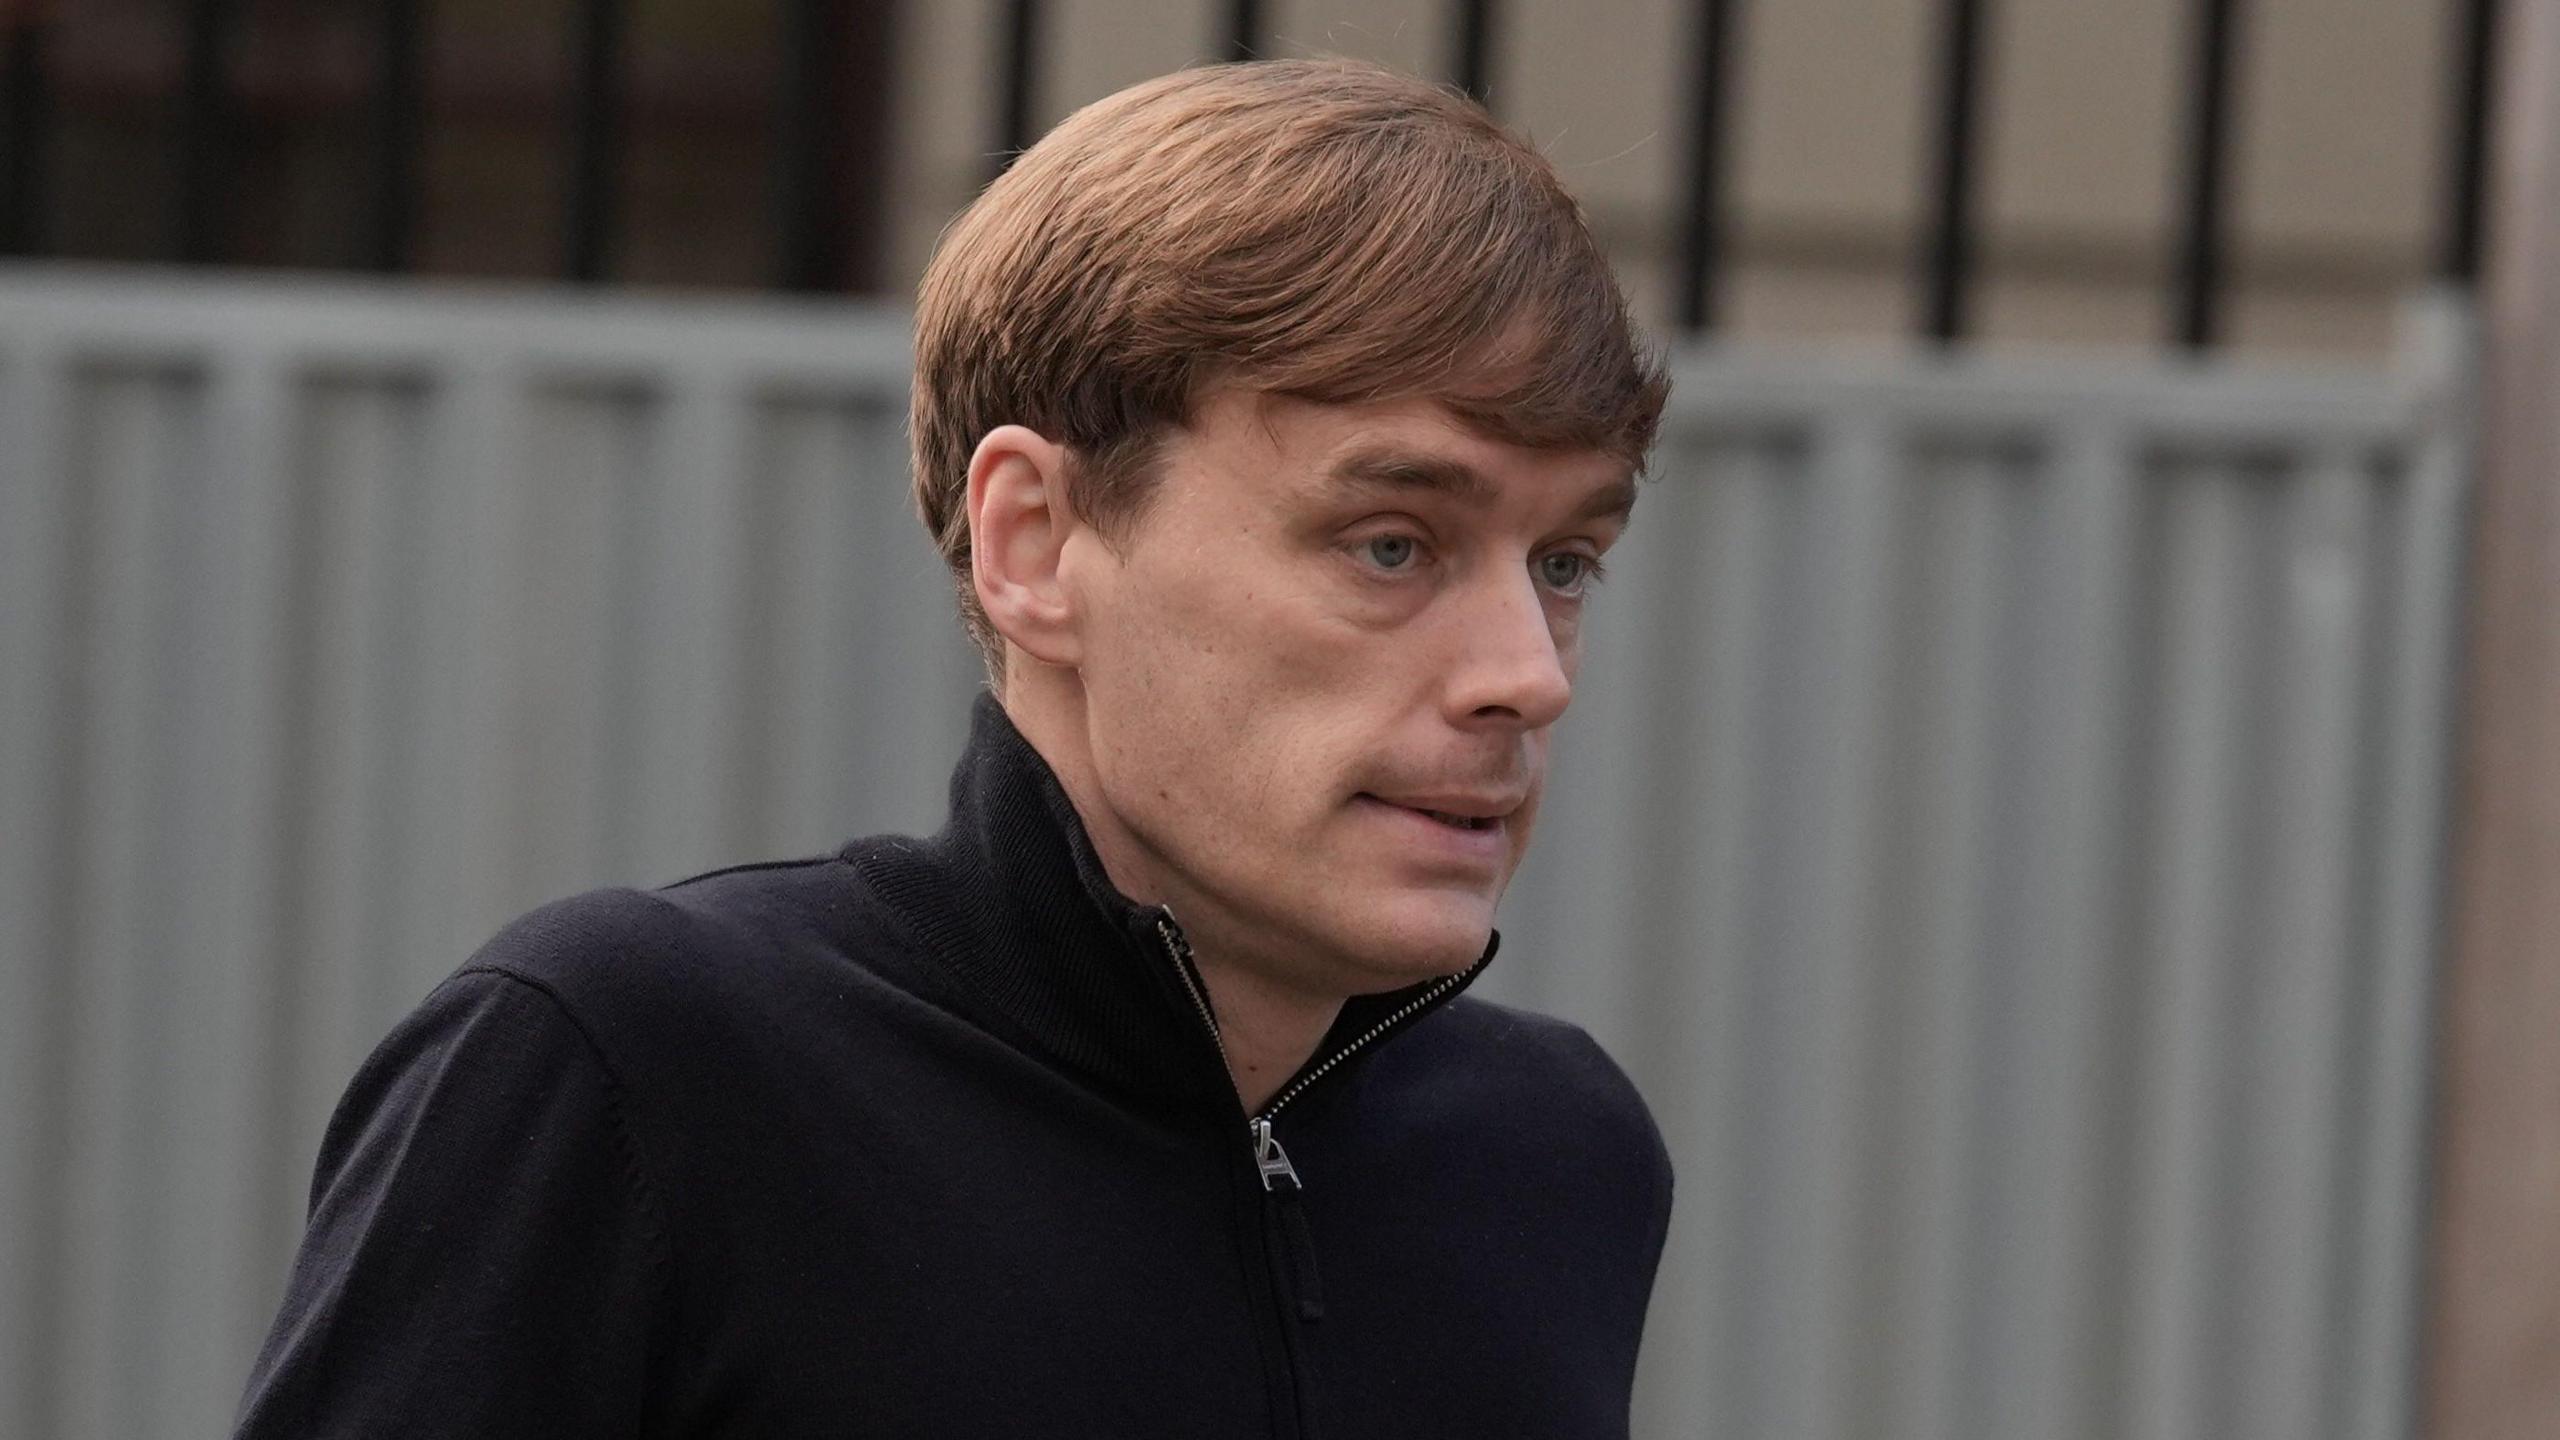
[926, 1138]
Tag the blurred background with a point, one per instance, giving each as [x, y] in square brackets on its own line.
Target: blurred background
[451, 455]
[822, 144]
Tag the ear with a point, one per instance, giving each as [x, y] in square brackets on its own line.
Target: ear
[1018, 528]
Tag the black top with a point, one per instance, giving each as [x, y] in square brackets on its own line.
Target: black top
[930, 1138]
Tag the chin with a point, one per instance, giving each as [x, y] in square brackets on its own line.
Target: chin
[1408, 938]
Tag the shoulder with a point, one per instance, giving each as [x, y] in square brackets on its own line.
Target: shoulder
[566, 945]
[734, 947]
[1531, 1108]
[1546, 1080]
[724, 909]
[1525, 1049]
[590, 949]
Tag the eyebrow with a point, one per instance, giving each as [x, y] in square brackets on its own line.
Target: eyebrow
[1411, 470]
[1407, 470]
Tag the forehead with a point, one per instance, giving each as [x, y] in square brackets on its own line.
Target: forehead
[1298, 449]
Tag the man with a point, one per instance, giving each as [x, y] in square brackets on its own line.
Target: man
[1273, 419]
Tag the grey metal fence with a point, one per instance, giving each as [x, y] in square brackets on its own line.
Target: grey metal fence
[1998, 828]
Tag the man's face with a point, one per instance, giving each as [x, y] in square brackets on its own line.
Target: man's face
[1319, 674]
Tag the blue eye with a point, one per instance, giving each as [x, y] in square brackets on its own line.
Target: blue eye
[1389, 552]
[1566, 572]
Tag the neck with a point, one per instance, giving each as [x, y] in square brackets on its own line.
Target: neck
[1267, 1029]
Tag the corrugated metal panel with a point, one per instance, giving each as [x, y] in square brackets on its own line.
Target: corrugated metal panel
[2001, 837]
[1998, 828]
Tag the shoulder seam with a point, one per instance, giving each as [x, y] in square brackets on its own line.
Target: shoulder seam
[801, 863]
[635, 1157]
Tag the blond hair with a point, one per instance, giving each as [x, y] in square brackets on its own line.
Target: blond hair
[1322, 229]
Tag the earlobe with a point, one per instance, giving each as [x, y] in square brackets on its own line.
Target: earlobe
[1018, 529]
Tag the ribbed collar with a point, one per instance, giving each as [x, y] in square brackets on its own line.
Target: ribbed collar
[1012, 897]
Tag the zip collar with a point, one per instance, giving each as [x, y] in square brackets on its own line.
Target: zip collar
[1012, 897]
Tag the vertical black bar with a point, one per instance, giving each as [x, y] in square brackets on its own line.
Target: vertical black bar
[2466, 204]
[399, 107]
[2197, 316]
[1948, 276]
[1019, 47]
[27, 114]
[204, 123]
[1244, 30]
[808, 215]
[1702, 224]
[866, 82]
[1475, 49]
[596, 145]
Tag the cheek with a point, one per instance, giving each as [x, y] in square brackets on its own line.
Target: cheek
[1251, 637]
[1237, 696]
[1186, 723]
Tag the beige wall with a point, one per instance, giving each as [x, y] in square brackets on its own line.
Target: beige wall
[2336, 174]
[2493, 1344]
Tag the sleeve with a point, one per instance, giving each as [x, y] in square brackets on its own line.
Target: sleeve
[485, 1255]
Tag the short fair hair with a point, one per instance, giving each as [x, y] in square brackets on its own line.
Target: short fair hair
[1326, 230]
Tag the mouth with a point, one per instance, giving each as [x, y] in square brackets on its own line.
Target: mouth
[1459, 814]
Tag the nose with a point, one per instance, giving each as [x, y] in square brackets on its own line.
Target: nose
[1512, 671]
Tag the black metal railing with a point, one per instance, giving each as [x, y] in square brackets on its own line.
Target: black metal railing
[398, 126]
[203, 137]
[26, 142]
[1244, 30]
[809, 208]
[1702, 211]
[595, 140]
[809, 198]
[2467, 166]
[1948, 273]
[2196, 317]
[1019, 63]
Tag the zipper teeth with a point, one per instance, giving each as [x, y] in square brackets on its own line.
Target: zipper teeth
[1446, 984]
[1175, 947]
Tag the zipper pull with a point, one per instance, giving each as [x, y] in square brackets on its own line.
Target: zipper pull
[1272, 1160]
[1280, 1179]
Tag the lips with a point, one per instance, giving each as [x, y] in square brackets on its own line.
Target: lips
[1467, 813]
